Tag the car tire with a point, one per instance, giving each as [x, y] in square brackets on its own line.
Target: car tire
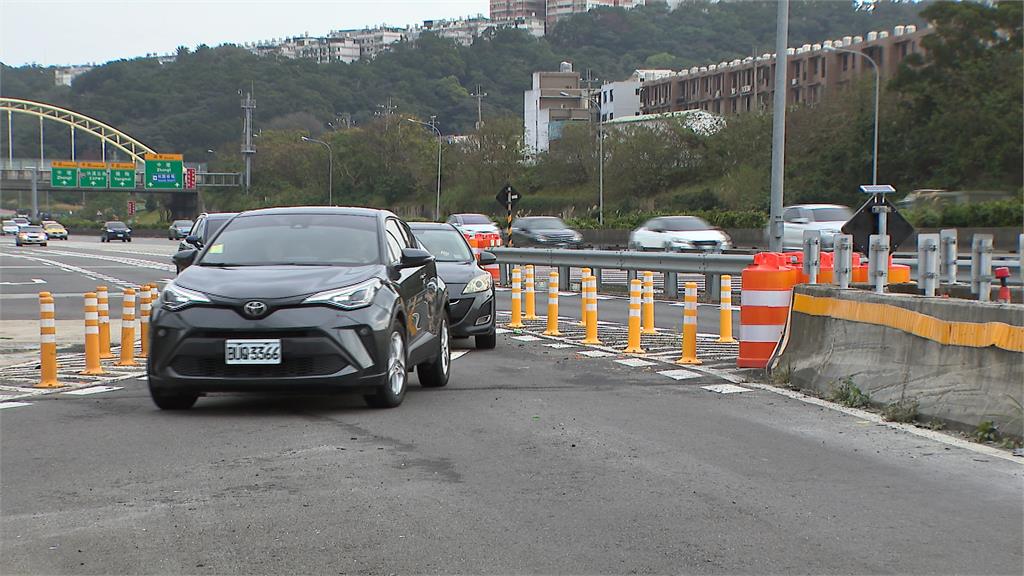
[486, 341]
[391, 391]
[165, 401]
[435, 374]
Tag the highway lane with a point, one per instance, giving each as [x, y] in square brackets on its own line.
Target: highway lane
[532, 460]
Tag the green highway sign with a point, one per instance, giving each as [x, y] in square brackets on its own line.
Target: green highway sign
[92, 175]
[164, 171]
[122, 175]
[64, 174]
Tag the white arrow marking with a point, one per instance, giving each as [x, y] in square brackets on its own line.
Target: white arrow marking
[34, 281]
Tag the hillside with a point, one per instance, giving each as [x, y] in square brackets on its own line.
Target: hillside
[191, 105]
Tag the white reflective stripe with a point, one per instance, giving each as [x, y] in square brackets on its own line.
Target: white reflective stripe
[727, 306]
[689, 319]
[46, 307]
[48, 338]
[144, 319]
[772, 298]
[129, 299]
[648, 299]
[92, 329]
[104, 305]
[146, 306]
[104, 319]
[128, 324]
[634, 313]
[47, 323]
[91, 316]
[592, 307]
[761, 333]
[90, 302]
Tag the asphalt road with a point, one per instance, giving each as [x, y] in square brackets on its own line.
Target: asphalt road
[532, 460]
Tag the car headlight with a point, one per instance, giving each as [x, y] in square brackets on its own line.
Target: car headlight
[348, 298]
[478, 284]
[577, 236]
[176, 297]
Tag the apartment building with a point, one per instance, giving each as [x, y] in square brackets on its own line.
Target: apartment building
[556, 99]
[558, 9]
[321, 50]
[510, 10]
[813, 71]
[461, 30]
[621, 99]
[65, 75]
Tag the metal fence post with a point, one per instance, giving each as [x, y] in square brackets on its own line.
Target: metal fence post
[812, 254]
[630, 276]
[947, 256]
[928, 262]
[503, 274]
[981, 266]
[878, 261]
[843, 260]
[671, 287]
[596, 273]
[712, 287]
[563, 278]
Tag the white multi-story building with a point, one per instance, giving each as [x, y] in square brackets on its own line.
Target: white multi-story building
[555, 100]
[461, 30]
[558, 9]
[65, 75]
[620, 99]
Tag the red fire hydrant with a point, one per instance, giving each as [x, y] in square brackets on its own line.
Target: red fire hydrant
[1003, 273]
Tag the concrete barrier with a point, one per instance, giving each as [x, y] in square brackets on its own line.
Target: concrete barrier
[961, 361]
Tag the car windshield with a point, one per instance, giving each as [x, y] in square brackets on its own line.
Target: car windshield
[684, 223]
[116, 225]
[53, 226]
[296, 239]
[475, 219]
[31, 229]
[9, 223]
[446, 245]
[546, 223]
[831, 214]
[214, 224]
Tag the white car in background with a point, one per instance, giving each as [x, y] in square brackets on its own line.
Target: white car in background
[473, 223]
[671, 233]
[10, 227]
[826, 218]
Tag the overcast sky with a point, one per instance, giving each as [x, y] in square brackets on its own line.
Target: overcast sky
[54, 32]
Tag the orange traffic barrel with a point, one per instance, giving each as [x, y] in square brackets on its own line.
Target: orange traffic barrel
[766, 293]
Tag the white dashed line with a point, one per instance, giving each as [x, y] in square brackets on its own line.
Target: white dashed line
[13, 404]
[725, 388]
[559, 346]
[680, 374]
[596, 354]
[634, 362]
[526, 338]
[456, 354]
[92, 390]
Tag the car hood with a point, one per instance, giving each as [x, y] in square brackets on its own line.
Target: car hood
[697, 235]
[478, 228]
[271, 282]
[458, 272]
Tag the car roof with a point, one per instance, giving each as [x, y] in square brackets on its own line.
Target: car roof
[432, 226]
[340, 210]
[220, 215]
[812, 206]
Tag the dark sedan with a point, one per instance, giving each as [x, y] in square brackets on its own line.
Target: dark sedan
[470, 289]
[545, 232]
[179, 229]
[301, 299]
[116, 230]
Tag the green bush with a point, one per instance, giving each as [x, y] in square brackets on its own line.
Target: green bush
[631, 220]
[997, 213]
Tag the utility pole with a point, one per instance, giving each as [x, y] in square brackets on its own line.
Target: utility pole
[387, 110]
[248, 150]
[479, 95]
[779, 127]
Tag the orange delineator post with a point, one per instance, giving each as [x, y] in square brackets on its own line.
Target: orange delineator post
[552, 329]
[154, 294]
[725, 312]
[517, 299]
[648, 304]
[92, 338]
[47, 343]
[590, 297]
[689, 353]
[145, 296]
[103, 307]
[767, 292]
[531, 304]
[633, 345]
[128, 329]
[583, 296]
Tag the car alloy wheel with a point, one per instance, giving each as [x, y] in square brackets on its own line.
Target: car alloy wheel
[397, 374]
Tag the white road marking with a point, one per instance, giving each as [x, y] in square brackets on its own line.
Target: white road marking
[34, 281]
[634, 362]
[596, 354]
[559, 346]
[726, 388]
[456, 354]
[680, 374]
[501, 331]
[13, 404]
[92, 390]
[526, 338]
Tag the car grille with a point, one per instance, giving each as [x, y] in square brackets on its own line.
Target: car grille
[459, 307]
[705, 243]
[290, 367]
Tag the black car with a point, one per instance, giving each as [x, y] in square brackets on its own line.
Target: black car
[544, 231]
[470, 289]
[301, 299]
[116, 230]
[203, 230]
[179, 229]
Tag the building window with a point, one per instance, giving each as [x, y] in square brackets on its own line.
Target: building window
[846, 62]
[611, 95]
[611, 115]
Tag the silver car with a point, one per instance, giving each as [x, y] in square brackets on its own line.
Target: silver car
[826, 218]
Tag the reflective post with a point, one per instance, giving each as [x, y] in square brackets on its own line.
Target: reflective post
[517, 299]
[689, 355]
[584, 273]
[878, 261]
[591, 299]
[724, 312]
[128, 329]
[47, 343]
[648, 304]
[843, 260]
[531, 306]
[552, 329]
[145, 295]
[633, 346]
[92, 337]
[928, 262]
[103, 302]
[812, 255]
[947, 258]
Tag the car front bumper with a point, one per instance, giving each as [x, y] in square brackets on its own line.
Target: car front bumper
[472, 314]
[322, 349]
[31, 240]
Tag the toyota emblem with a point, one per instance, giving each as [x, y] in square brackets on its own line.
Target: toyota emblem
[255, 309]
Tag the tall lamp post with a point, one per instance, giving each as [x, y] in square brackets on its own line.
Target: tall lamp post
[874, 153]
[433, 126]
[595, 100]
[330, 168]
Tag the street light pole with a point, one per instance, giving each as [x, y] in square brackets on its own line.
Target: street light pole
[432, 125]
[330, 168]
[878, 81]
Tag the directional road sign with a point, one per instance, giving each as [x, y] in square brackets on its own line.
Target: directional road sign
[164, 171]
[122, 175]
[92, 175]
[63, 174]
[508, 196]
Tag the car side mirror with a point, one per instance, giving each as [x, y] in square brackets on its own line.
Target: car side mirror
[194, 240]
[800, 221]
[184, 258]
[414, 257]
[487, 258]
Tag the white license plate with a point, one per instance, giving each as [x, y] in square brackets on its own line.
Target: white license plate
[252, 351]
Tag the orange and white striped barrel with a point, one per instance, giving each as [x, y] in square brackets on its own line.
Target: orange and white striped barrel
[517, 299]
[47, 342]
[633, 339]
[766, 295]
[92, 337]
[103, 307]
